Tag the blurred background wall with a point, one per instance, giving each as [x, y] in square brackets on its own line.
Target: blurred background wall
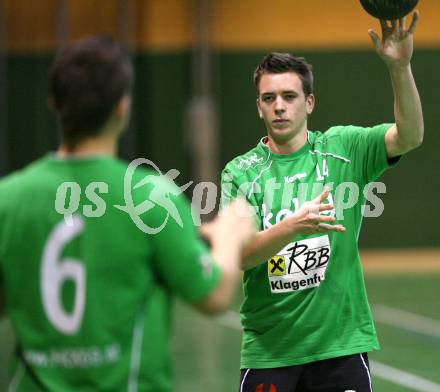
[194, 102]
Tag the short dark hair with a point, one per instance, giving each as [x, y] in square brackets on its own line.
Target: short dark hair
[276, 62]
[87, 80]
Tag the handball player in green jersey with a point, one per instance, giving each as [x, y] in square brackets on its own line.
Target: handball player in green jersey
[89, 293]
[305, 316]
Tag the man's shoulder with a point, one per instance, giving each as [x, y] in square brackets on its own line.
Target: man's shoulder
[333, 132]
[22, 176]
[250, 160]
[348, 141]
[351, 130]
[337, 136]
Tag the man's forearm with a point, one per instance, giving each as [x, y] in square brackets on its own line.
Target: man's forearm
[217, 301]
[266, 244]
[407, 107]
[307, 220]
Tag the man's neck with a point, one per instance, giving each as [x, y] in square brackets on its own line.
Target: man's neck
[288, 147]
[103, 145]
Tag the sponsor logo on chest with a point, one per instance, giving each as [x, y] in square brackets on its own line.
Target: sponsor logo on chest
[300, 265]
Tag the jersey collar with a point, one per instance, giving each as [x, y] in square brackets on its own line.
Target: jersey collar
[265, 150]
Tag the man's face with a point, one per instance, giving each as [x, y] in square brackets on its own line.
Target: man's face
[283, 106]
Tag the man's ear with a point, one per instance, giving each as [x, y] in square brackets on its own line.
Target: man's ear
[310, 103]
[121, 114]
[260, 113]
[123, 107]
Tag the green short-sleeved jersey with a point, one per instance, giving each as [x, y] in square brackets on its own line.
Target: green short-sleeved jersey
[90, 298]
[308, 302]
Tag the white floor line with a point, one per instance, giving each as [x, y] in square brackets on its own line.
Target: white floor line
[231, 320]
[405, 320]
[402, 378]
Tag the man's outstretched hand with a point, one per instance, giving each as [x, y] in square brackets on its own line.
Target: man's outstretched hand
[309, 220]
[396, 46]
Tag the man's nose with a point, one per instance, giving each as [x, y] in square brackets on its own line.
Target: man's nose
[279, 105]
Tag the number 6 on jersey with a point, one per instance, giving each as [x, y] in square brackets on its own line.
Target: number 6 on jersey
[54, 272]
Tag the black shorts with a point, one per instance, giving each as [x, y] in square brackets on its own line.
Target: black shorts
[350, 373]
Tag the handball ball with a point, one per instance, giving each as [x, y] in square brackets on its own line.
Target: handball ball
[389, 9]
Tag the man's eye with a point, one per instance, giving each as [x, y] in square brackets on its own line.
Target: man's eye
[289, 97]
[267, 98]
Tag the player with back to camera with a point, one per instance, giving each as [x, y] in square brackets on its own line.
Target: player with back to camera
[89, 299]
[305, 316]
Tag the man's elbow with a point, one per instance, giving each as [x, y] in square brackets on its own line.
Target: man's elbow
[415, 143]
[218, 300]
[410, 144]
[213, 305]
[419, 141]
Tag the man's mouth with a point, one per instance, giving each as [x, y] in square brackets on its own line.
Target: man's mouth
[280, 121]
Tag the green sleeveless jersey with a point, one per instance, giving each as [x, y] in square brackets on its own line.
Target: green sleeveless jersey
[89, 294]
[308, 302]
